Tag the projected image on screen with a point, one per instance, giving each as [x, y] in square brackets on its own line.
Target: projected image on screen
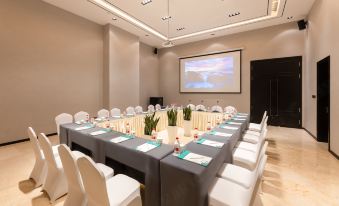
[211, 73]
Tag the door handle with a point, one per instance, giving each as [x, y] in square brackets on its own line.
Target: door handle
[277, 97]
[327, 110]
[270, 97]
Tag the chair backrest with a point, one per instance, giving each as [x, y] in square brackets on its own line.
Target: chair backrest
[81, 116]
[115, 112]
[230, 110]
[138, 109]
[200, 107]
[94, 182]
[130, 110]
[70, 168]
[217, 108]
[104, 113]
[151, 108]
[63, 118]
[35, 143]
[263, 119]
[46, 147]
[157, 107]
[192, 106]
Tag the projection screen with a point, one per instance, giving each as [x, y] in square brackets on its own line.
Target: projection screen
[212, 73]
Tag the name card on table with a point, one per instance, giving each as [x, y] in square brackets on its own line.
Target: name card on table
[242, 114]
[234, 123]
[83, 127]
[195, 158]
[228, 127]
[99, 132]
[148, 146]
[210, 143]
[121, 139]
[220, 134]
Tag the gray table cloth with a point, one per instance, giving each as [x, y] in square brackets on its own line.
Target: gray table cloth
[124, 153]
[184, 183]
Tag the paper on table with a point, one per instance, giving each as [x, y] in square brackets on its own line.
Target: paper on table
[241, 116]
[220, 134]
[228, 127]
[116, 116]
[210, 143]
[83, 128]
[234, 123]
[147, 146]
[244, 114]
[120, 139]
[195, 158]
[239, 119]
[98, 132]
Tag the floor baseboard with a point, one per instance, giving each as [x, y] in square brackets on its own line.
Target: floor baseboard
[310, 133]
[22, 140]
[334, 154]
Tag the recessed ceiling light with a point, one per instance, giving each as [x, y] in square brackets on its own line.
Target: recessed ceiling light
[234, 14]
[290, 17]
[144, 2]
[180, 29]
[212, 34]
[166, 17]
[146, 35]
[114, 19]
[168, 44]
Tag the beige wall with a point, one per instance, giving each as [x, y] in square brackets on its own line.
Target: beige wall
[279, 41]
[149, 74]
[50, 62]
[322, 41]
[121, 68]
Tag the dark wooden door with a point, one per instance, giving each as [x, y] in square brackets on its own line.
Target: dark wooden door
[323, 100]
[276, 88]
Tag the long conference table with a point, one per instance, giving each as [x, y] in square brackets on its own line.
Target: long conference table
[168, 180]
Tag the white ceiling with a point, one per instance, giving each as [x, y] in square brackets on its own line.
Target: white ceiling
[193, 15]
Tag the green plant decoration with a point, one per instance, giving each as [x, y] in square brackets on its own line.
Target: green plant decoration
[150, 123]
[187, 113]
[172, 117]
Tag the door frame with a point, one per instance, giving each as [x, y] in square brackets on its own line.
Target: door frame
[300, 58]
[329, 100]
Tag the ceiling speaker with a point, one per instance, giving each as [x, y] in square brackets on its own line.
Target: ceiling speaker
[155, 51]
[302, 24]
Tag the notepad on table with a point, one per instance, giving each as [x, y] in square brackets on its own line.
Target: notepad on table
[195, 158]
[220, 134]
[99, 132]
[228, 127]
[148, 146]
[243, 114]
[239, 119]
[121, 139]
[210, 143]
[234, 123]
[83, 127]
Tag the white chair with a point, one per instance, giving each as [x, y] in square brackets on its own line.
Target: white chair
[63, 118]
[104, 113]
[230, 110]
[138, 110]
[253, 136]
[217, 108]
[118, 190]
[130, 111]
[257, 127]
[238, 175]
[151, 109]
[200, 108]
[55, 183]
[157, 107]
[228, 193]
[76, 192]
[81, 116]
[39, 171]
[192, 106]
[115, 112]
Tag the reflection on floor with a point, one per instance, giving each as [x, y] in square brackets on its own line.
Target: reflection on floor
[299, 171]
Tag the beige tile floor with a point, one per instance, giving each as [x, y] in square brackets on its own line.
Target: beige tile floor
[299, 172]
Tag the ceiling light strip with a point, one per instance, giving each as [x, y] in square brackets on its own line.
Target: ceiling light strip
[251, 21]
[109, 7]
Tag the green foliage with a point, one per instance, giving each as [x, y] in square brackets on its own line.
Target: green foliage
[172, 117]
[150, 123]
[187, 113]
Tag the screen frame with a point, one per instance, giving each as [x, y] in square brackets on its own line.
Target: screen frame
[209, 54]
